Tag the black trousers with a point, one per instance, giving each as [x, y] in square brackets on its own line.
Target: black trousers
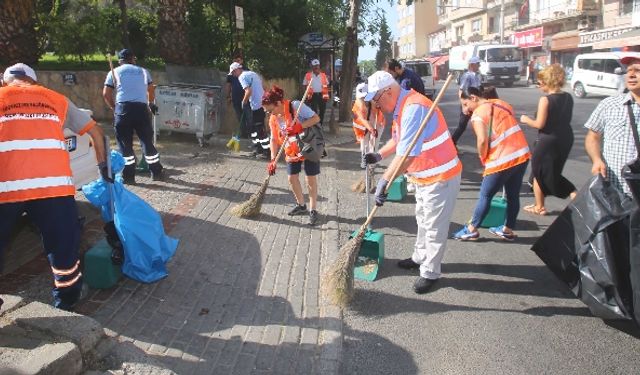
[258, 135]
[462, 126]
[135, 117]
[318, 105]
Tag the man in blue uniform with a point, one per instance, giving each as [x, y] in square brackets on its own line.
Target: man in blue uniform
[407, 78]
[133, 106]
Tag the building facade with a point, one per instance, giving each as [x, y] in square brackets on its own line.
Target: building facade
[415, 23]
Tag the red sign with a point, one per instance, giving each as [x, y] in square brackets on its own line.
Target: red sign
[528, 38]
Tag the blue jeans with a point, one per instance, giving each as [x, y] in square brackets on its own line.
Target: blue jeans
[511, 179]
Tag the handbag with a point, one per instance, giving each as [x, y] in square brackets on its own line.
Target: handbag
[310, 141]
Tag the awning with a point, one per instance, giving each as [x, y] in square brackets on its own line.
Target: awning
[629, 38]
[443, 59]
[565, 40]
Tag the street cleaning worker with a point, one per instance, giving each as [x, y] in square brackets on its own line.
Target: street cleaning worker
[433, 166]
[504, 152]
[35, 172]
[470, 78]
[319, 87]
[133, 107]
[363, 117]
[283, 129]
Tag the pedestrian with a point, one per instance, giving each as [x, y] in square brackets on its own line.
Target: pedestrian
[133, 107]
[532, 71]
[610, 140]
[471, 78]
[252, 85]
[555, 139]
[433, 166]
[407, 78]
[235, 94]
[319, 89]
[283, 129]
[363, 115]
[36, 175]
[504, 152]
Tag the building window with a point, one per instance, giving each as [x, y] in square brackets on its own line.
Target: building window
[626, 6]
[476, 25]
[459, 31]
[455, 3]
[492, 25]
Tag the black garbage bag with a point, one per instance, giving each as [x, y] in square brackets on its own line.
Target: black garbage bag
[587, 247]
[633, 181]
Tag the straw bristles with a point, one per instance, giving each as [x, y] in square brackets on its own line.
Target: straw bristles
[251, 207]
[358, 186]
[338, 279]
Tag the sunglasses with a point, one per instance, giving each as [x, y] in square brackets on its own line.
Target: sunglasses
[379, 95]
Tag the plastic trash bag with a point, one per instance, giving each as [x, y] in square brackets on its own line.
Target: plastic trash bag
[633, 181]
[587, 248]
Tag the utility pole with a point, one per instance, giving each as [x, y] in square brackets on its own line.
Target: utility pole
[501, 21]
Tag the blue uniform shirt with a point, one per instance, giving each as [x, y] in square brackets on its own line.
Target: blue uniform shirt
[132, 82]
[412, 116]
[411, 80]
[251, 79]
[470, 79]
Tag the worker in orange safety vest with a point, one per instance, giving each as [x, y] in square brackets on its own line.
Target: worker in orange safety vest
[504, 152]
[432, 165]
[368, 123]
[35, 172]
[320, 88]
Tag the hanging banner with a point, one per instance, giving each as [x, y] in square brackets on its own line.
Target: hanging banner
[528, 38]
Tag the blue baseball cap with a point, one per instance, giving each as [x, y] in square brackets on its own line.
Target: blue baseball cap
[125, 54]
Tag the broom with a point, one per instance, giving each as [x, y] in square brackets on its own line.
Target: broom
[251, 207]
[360, 186]
[338, 279]
[234, 142]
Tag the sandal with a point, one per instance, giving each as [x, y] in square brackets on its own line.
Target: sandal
[532, 209]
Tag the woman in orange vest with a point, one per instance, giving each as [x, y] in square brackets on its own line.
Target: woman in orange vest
[363, 115]
[504, 152]
[284, 129]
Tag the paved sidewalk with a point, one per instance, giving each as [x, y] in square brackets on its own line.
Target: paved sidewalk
[242, 296]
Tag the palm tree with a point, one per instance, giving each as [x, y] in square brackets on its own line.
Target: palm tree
[18, 38]
[173, 41]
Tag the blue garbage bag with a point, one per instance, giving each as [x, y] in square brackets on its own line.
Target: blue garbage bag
[147, 248]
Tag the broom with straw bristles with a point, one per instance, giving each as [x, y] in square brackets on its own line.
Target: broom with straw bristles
[338, 279]
[360, 185]
[251, 207]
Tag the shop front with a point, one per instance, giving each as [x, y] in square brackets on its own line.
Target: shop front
[530, 41]
[564, 48]
[606, 39]
[626, 41]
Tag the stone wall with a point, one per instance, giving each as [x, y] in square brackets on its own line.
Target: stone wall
[87, 92]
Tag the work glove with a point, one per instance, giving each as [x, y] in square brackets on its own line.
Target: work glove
[381, 196]
[372, 158]
[104, 171]
[294, 129]
[271, 167]
[154, 108]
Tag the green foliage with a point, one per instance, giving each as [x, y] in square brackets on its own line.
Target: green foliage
[142, 28]
[385, 50]
[367, 67]
[208, 29]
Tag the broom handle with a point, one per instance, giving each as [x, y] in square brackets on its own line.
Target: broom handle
[295, 118]
[411, 146]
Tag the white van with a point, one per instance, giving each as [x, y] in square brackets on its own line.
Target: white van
[425, 70]
[599, 73]
[83, 157]
[499, 63]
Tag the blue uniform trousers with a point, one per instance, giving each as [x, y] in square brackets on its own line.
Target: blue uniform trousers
[135, 117]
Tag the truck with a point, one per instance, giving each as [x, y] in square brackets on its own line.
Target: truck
[499, 63]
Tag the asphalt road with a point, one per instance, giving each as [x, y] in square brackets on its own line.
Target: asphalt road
[497, 309]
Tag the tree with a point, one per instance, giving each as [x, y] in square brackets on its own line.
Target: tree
[367, 67]
[124, 22]
[173, 40]
[18, 36]
[349, 59]
[384, 44]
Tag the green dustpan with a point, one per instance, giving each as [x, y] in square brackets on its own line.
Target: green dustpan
[142, 166]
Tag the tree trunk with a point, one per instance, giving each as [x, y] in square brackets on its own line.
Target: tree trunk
[349, 60]
[124, 23]
[18, 38]
[173, 41]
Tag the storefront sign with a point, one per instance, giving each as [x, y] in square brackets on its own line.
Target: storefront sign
[589, 38]
[528, 38]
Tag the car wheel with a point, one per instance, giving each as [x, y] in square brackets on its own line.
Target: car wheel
[578, 90]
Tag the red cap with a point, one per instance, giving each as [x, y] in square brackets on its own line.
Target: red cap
[628, 60]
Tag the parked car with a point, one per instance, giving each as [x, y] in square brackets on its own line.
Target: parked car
[599, 73]
[425, 70]
[83, 157]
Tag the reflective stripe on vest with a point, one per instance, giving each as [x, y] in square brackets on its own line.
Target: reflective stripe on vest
[438, 159]
[507, 158]
[323, 80]
[501, 137]
[33, 153]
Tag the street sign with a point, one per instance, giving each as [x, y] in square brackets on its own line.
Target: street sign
[239, 18]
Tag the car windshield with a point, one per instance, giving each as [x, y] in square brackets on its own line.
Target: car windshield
[422, 69]
[503, 54]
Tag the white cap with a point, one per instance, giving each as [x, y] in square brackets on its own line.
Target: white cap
[19, 70]
[361, 90]
[315, 62]
[474, 60]
[234, 66]
[378, 81]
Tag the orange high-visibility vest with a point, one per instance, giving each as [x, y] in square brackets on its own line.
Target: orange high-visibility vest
[360, 111]
[438, 160]
[508, 146]
[291, 150]
[325, 84]
[34, 162]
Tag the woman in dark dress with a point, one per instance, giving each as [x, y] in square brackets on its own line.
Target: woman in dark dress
[555, 139]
